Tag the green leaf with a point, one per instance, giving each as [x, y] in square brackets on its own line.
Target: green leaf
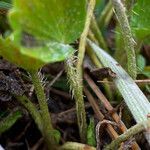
[42, 31]
[141, 63]
[51, 52]
[9, 121]
[133, 96]
[37, 56]
[12, 53]
[140, 19]
[56, 20]
[91, 139]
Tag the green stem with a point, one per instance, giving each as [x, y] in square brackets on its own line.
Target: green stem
[95, 29]
[83, 37]
[128, 134]
[9, 121]
[48, 130]
[106, 15]
[77, 92]
[32, 110]
[76, 146]
[81, 117]
[127, 36]
[92, 37]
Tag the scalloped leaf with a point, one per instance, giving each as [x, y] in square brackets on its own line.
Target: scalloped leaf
[12, 53]
[55, 20]
[43, 30]
[27, 57]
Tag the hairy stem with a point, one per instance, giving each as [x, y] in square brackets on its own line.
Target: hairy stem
[48, 130]
[9, 121]
[75, 75]
[128, 134]
[32, 110]
[127, 36]
[77, 92]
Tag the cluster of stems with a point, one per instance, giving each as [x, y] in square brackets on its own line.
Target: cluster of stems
[41, 117]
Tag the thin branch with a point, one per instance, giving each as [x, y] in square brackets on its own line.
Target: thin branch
[145, 81]
[56, 78]
[98, 127]
[113, 134]
[108, 106]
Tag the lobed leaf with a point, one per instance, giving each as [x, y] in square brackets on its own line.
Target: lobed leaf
[56, 20]
[12, 53]
[42, 31]
[33, 58]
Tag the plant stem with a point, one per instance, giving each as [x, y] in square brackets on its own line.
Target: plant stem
[9, 121]
[95, 29]
[76, 146]
[77, 92]
[128, 134]
[106, 15]
[32, 110]
[48, 130]
[92, 37]
[127, 36]
[133, 96]
[81, 53]
[78, 86]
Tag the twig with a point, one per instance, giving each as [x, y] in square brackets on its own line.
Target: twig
[127, 36]
[107, 105]
[61, 93]
[145, 81]
[113, 134]
[95, 107]
[37, 145]
[128, 134]
[97, 63]
[56, 78]
[98, 126]
[133, 96]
